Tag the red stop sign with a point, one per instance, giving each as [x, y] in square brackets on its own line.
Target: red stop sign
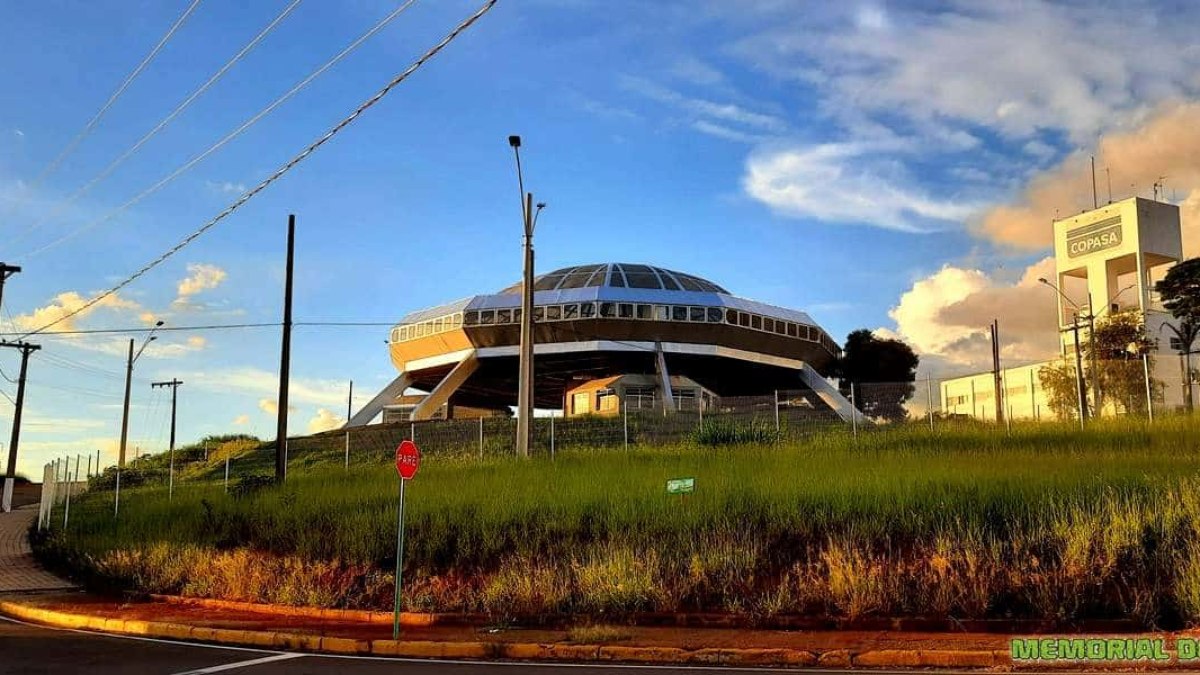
[408, 459]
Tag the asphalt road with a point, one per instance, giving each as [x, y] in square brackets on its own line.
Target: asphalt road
[26, 649]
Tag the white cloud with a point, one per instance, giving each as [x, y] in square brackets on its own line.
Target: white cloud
[699, 108]
[324, 421]
[832, 182]
[241, 420]
[946, 316]
[71, 301]
[226, 187]
[262, 383]
[200, 278]
[724, 132]
[1017, 68]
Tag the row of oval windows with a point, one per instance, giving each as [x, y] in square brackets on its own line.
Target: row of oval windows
[616, 310]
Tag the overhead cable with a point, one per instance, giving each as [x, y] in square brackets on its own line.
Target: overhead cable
[226, 139]
[249, 194]
[112, 166]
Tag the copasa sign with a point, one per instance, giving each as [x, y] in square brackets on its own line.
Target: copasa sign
[1098, 236]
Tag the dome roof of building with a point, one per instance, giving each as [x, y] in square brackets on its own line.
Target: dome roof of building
[619, 275]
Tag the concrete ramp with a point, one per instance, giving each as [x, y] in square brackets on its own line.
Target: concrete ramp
[372, 409]
[830, 395]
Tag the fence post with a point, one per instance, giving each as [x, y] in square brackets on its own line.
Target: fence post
[700, 400]
[481, 439]
[551, 436]
[67, 504]
[776, 412]
[89, 466]
[1149, 387]
[929, 396]
[412, 432]
[347, 450]
[206, 452]
[853, 412]
[226, 474]
[625, 422]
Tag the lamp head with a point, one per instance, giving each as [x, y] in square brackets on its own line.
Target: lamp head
[541, 205]
[152, 338]
[1042, 280]
[158, 324]
[514, 141]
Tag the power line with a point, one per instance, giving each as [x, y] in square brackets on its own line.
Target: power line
[91, 125]
[142, 329]
[112, 166]
[312, 147]
[227, 138]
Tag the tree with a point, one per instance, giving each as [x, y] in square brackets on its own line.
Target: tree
[1061, 385]
[1180, 292]
[1120, 341]
[890, 365]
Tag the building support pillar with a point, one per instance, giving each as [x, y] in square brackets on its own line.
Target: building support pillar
[375, 406]
[445, 389]
[664, 379]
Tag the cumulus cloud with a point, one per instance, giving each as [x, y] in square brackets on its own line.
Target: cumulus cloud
[226, 187]
[71, 301]
[1166, 144]
[200, 278]
[835, 182]
[1019, 68]
[241, 420]
[324, 421]
[946, 316]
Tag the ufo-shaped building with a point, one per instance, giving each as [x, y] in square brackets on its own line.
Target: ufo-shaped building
[601, 321]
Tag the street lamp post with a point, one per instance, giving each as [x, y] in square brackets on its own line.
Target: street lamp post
[125, 410]
[1079, 382]
[525, 367]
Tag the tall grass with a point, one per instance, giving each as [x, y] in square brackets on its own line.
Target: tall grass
[1046, 522]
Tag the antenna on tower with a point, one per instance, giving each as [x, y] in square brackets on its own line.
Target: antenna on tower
[1108, 175]
[1095, 203]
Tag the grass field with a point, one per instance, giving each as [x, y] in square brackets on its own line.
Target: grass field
[968, 522]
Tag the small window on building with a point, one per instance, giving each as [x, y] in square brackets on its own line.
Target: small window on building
[395, 335]
[587, 310]
[570, 312]
[781, 327]
[437, 325]
[606, 400]
[756, 321]
[645, 311]
[456, 320]
[420, 329]
[471, 318]
[625, 310]
[487, 317]
[504, 316]
[539, 314]
[554, 313]
[662, 313]
[791, 330]
[743, 319]
[731, 316]
[696, 313]
[608, 310]
[769, 324]
[678, 313]
[715, 314]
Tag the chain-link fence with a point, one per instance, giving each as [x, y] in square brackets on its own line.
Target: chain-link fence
[1135, 388]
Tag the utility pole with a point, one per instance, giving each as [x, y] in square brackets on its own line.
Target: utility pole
[1082, 388]
[525, 367]
[174, 385]
[285, 358]
[10, 475]
[350, 401]
[6, 271]
[998, 386]
[132, 359]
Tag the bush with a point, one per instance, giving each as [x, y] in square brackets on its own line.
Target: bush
[718, 432]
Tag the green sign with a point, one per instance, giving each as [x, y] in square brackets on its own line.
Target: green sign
[680, 486]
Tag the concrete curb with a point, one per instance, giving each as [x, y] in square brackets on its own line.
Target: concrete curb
[473, 650]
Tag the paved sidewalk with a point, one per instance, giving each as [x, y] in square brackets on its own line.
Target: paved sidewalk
[19, 572]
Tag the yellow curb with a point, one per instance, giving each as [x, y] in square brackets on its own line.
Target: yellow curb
[573, 652]
[958, 659]
[298, 642]
[644, 654]
[835, 658]
[706, 655]
[905, 658]
[767, 657]
[465, 650]
[338, 645]
[522, 651]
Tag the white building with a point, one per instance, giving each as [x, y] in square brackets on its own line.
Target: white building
[1107, 260]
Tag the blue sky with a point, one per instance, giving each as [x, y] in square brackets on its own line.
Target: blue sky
[876, 165]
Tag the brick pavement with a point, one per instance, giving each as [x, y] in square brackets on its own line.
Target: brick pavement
[19, 572]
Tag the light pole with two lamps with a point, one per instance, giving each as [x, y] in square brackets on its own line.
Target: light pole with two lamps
[525, 367]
